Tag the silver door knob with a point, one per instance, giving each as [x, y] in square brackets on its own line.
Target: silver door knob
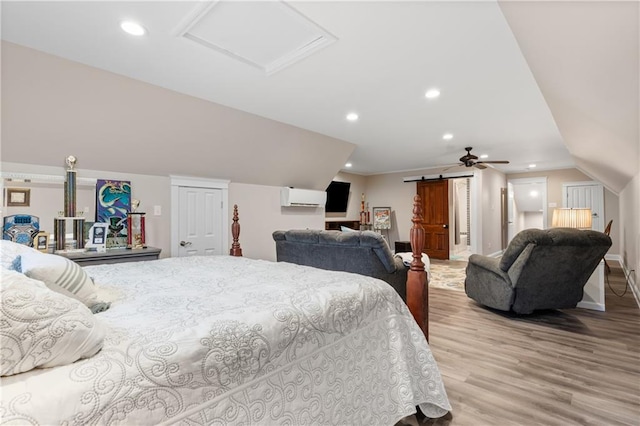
[185, 243]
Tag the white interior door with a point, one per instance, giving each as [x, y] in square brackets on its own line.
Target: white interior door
[200, 221]
[586, 195]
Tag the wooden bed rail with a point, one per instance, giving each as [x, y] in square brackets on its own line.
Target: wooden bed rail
[235, 250]
[417, 283]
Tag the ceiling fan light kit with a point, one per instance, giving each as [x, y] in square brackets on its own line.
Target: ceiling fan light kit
[469, 160]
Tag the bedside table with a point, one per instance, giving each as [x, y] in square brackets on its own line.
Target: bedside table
[120, 255]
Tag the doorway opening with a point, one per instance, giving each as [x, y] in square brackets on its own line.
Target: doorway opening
[526, 205]
[460, 219]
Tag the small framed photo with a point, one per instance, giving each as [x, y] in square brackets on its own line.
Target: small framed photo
[99, 235]
[382, 218]
[41, 242]
[18, 197]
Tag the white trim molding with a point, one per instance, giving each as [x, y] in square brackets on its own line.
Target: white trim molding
[196, 182]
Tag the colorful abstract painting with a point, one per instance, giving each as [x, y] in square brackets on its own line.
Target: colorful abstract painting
[112, 204]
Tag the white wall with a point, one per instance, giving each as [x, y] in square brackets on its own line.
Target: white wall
[532, 220]
[630, 220]
[555, 179]
[260, 214]
[259, 208]
[491, 209]
[150, 190]
[55, 107]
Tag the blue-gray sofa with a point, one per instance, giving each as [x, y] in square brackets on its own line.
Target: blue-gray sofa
[360, 252]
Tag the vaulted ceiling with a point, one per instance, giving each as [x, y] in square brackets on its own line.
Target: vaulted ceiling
[550, 83]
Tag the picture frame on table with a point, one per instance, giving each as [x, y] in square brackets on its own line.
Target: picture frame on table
[382, 218]
[99, 235]
[41, 241]
[18, 197]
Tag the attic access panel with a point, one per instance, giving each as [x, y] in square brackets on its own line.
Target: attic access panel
[269, 35]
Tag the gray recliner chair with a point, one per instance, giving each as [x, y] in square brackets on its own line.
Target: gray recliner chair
[540, 269]
[360, 252]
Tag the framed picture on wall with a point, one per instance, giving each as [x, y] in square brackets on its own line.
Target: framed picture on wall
[382, 218]
[18, 197]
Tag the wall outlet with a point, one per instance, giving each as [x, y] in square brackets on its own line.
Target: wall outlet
[553, 205]
[157, 210]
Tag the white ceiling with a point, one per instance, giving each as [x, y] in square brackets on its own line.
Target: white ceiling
[387, 54]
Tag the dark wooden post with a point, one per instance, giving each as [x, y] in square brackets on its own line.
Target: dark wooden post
[417, 284]
[235, 232]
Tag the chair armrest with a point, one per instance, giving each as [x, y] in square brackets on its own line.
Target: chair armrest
[487, 284]
[487, 265]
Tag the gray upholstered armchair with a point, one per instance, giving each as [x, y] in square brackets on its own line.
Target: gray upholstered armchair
[360, 252]
[541, 269]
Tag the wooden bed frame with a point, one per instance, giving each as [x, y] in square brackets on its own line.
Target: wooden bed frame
[417, 284]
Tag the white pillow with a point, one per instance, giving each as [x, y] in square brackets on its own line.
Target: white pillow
[42, 328]
[10, 250]
[59, 274]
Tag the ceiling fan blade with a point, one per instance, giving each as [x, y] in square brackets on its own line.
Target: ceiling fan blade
[494, 162]
[479, 166]
[451, 167]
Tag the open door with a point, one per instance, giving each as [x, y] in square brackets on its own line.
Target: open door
[435, 208]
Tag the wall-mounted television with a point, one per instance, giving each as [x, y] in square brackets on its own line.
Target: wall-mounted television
[337, 197]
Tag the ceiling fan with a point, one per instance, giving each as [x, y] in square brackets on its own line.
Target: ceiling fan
[469, 160]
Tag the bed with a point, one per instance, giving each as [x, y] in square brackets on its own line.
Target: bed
[223, 340]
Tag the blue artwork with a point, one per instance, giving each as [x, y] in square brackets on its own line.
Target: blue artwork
[21, 228]
[112, 204]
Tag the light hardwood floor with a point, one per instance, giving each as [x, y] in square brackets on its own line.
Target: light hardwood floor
[569, 367]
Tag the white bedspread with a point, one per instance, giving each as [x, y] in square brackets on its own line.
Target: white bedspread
[223, 340]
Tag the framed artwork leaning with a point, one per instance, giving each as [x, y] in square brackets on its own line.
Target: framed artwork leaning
[113, 202]
[382, 218]
[42, 241]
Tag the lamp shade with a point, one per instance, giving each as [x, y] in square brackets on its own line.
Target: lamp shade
[571, 218]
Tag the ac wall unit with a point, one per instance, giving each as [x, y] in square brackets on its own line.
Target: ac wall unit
[294, 197]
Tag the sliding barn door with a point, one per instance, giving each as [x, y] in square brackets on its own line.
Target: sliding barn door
[435, 208]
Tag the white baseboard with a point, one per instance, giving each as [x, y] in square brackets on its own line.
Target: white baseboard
[591, 305]
[631, 281]
[496, 254]
[615, 257]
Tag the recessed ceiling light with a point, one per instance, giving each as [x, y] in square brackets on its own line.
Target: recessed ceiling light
[432, 93]
[534, 193]
[352, 116]
[132, 28]
[484, 156]
[531, 166]
[447, 136]
[348, 165]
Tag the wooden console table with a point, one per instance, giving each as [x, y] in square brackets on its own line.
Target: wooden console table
[120, 255]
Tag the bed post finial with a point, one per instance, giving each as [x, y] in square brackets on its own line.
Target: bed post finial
[235, 232]
[417, 284]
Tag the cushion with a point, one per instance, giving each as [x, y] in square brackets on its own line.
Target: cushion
[9, 251]
[59, 274]
[42, 328]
